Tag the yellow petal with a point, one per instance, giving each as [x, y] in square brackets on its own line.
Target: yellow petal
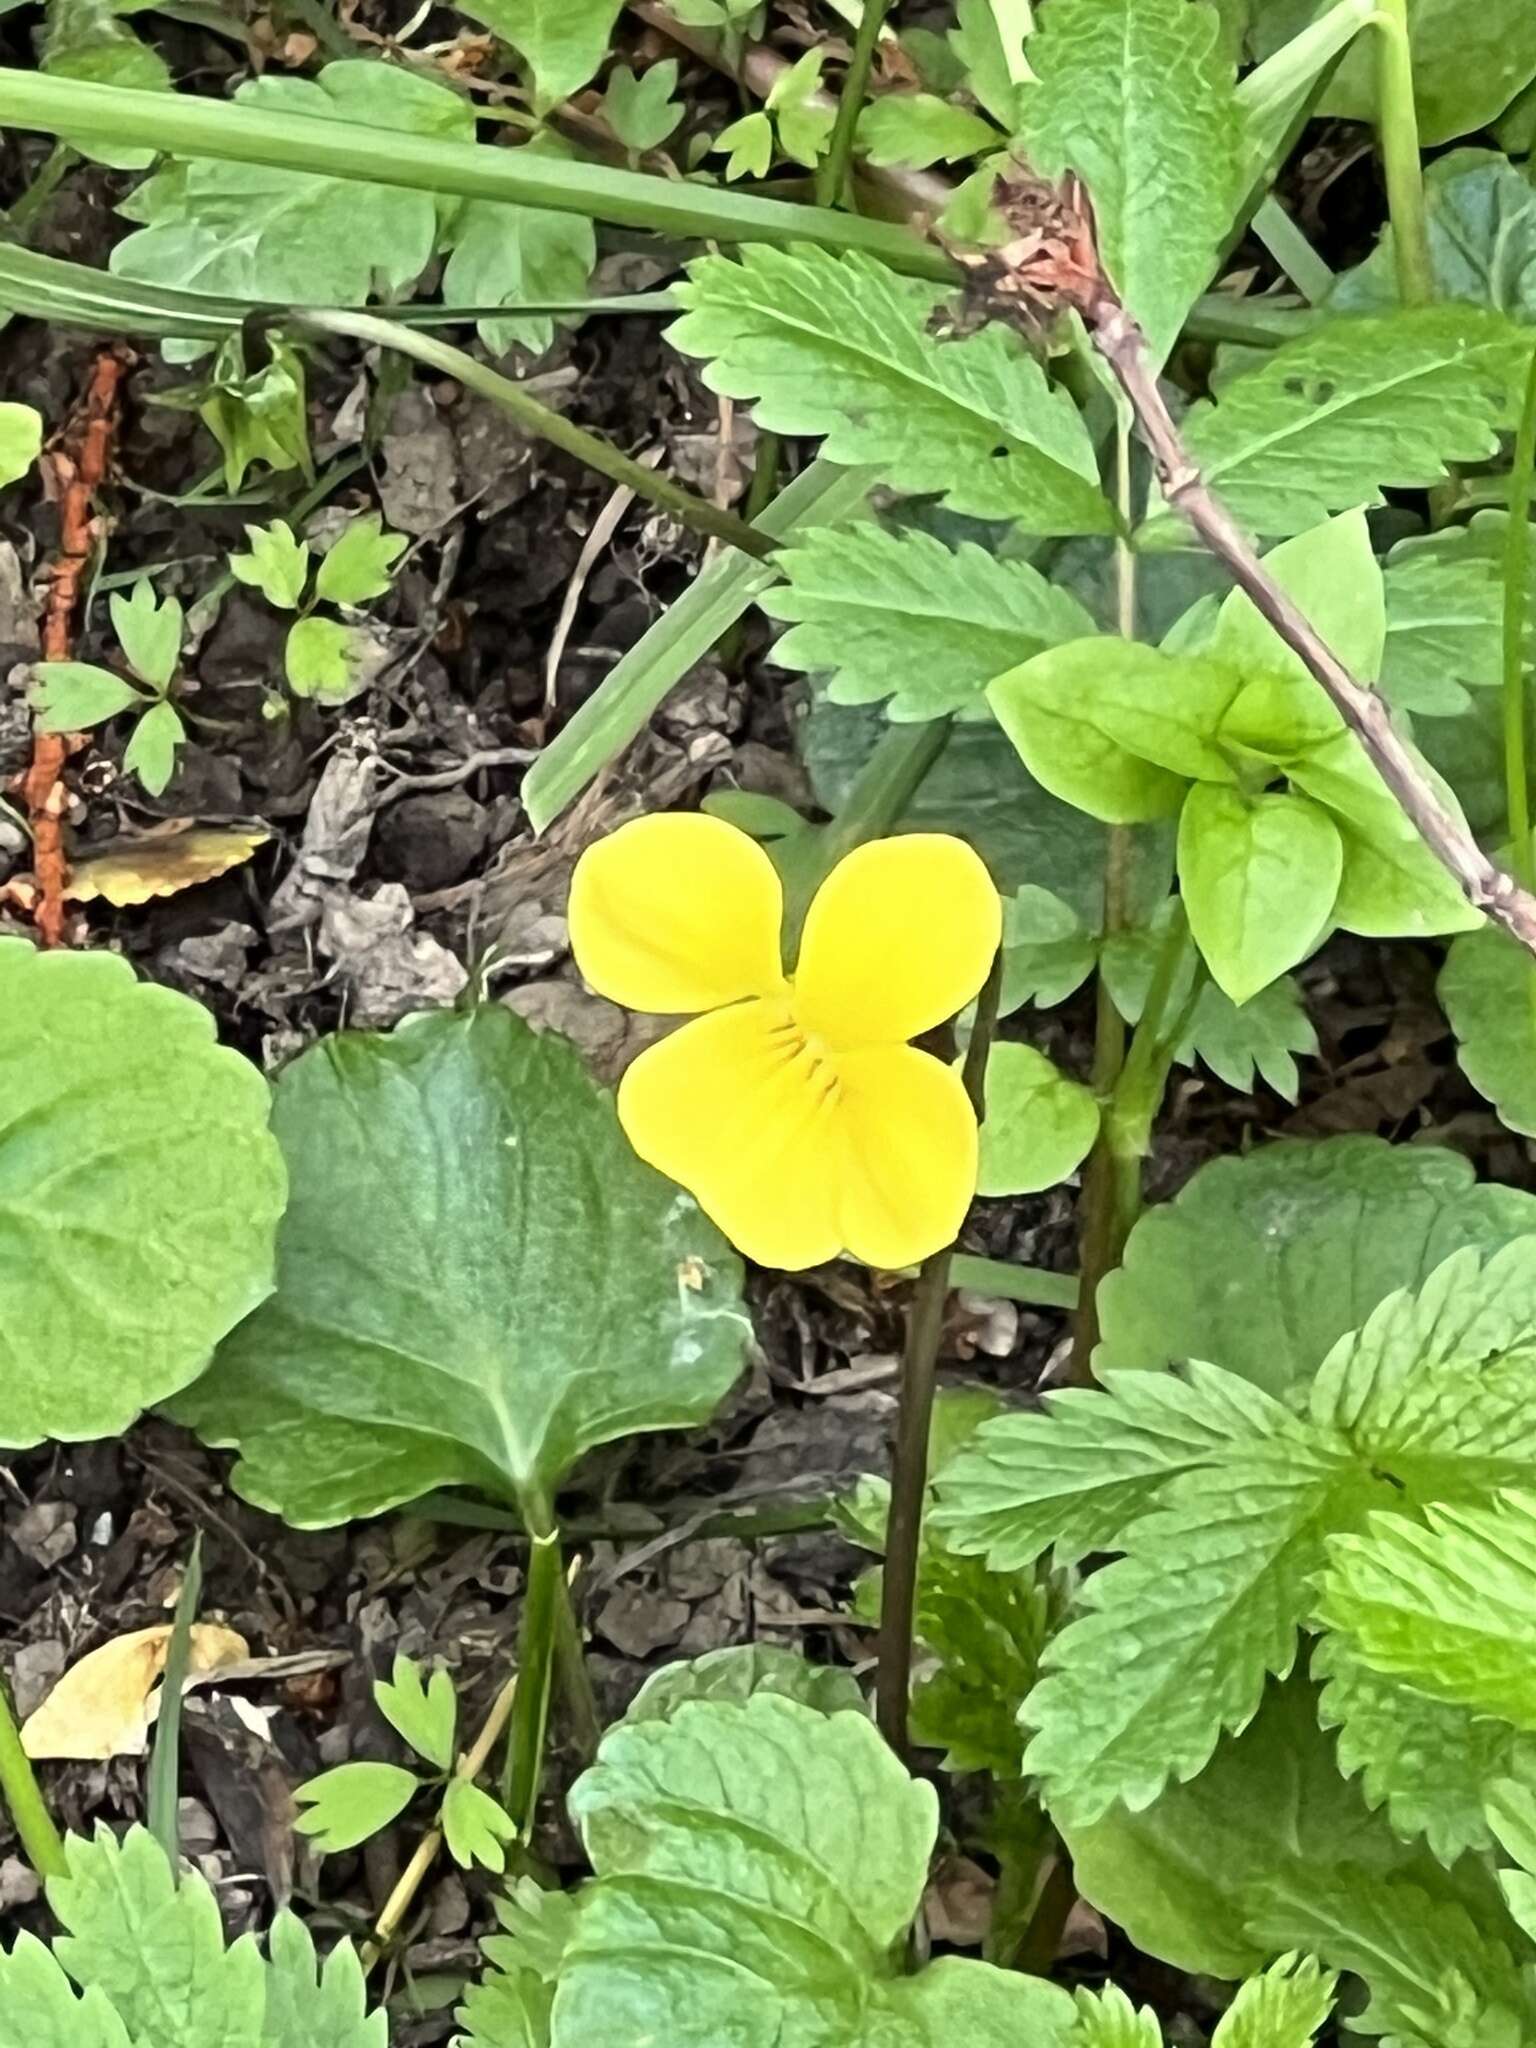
[104, 1706]
[737, 1109]
[898, 938]
[910, 1151]
[676, 913]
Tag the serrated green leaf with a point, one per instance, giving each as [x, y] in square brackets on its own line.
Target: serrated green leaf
[1107, 2019]
[1511, 1814]
[508, 2011]
[139, 1192]
[550, 1292]
[290, 237]
[1258, 877]
[1444, 628]
[1077, 1475]
[1114, 727]
[839, 347]
[151, 752]
[986, 1629]
[67, 696]
[475, 1828]
[898, 615]
[1173, 1643]
[321, 659]
[39, 2009]
[563, 42]
[360, 562]
[739, 1673]
[988, 41]
[919, 129]
[21, 440]
[641, 111]
[427, 1716]
[1447, 1606]
[1415, 1952]
[1137, 97]
[312, 2005]
[1430, 1765]
[755, 1866]
[507, 255]
[89, 40]
[276, 564]
[1488, 989]
[1332, 419]
[149, 632]
[1047, 949]
[343, 1807]
[155, 1947]
[1481, 229]
[1039, 1125]
[1282, 2009]
[1266, 1261]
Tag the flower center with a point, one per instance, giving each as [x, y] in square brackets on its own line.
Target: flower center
[808, 1056]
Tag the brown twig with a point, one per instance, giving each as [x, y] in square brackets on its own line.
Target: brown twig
[1053, 265]
[78, 469]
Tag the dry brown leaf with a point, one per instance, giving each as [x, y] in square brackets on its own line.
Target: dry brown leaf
[133, 870]
[105, 1705]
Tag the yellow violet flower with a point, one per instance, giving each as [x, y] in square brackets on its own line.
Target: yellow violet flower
[793, 1109]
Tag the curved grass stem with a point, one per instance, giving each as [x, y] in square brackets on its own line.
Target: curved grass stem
[41, 1841]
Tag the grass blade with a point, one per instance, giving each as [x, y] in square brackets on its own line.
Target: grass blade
[165, 1756]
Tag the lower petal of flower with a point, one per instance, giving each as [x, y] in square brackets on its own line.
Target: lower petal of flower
[741, 1112]
[910, 1146]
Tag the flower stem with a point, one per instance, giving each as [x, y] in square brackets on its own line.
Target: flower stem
[1397, 118]
[524, 1769]
[40, 1839]
[909, 1471]
[832, 171]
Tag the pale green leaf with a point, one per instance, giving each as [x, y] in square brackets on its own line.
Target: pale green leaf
[1107, 2019]
[68, 696]
[291, 237]
[276, 564]
[1332, 573]
[1266, 1261]
[1039, 1125]
[1488, 989]
[360, 562]
[1115, 727]
[748, 144]
[899, 615]
[737, 1673]
[1447, 1606]
[312, 2005]
[155, 1947]
[475, 1828]
[563, 42]
[508, 2010]
[139, 1193]
[321, 658]
[1481, 226]
[151, 752]
[149, 632]
[986, 1630]
[1444, 627]
[1511, 1814]
[839, 347]
[1076, 1475]
[801, 115]
[1332, 419]
[1258, 878]
[1047, 949]
[919, 129]
[261, 416]
[1137, 97]
[756, 1867]
[39, 2009]
[988, 39]
[21, 440]
[1172, 1644]
[1282, 2009]
[426, 1715]
[343, 1807]
[641, 111]
[89, 40]
[503, 255]
[526, 1289]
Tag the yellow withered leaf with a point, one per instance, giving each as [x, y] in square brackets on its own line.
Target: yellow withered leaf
[131, 871]
[105, 1705]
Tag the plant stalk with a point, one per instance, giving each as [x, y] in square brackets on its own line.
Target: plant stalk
[41, 1842]
[832, 171]
[1397, 117]
[909, 1470]
[535, 1672]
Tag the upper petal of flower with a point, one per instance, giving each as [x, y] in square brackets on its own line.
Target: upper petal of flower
[898, 937]
[676, 913]
[737, 1109]
[909, 1155]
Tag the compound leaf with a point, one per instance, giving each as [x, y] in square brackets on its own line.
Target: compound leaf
[502, 255]
[360, 562]
[426, 1715]
[1107, 2019]
[1138, 98]
[67, 696]
[525, 1291]
[139, 1193]
[901, 616]
[1282, 2009]
[39, 2008]
[838, 347]
[344, 1806]
[148, 631]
